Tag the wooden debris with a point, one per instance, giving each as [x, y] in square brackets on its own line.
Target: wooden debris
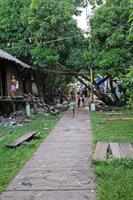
[126, 149]
[113, 113]
[119, 119]
[39, 103]
[101, 151]
[116, 151]
[22, 139]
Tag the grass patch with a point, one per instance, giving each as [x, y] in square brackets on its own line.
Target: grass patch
[114, 178]
[12, 160]
[112, 131]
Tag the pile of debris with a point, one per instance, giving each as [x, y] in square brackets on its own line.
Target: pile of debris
[36, 106]
[101, 106]
[39, 106]
[15, 119]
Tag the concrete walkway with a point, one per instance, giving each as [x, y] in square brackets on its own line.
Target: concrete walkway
[61, 167]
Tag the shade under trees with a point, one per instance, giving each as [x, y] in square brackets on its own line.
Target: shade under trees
[45, 35]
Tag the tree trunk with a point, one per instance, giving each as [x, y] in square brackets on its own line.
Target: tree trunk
[103, 97]
[115, 97]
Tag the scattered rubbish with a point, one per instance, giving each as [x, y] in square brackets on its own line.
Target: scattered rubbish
[34, 105]
[19, 118]
[15, 119]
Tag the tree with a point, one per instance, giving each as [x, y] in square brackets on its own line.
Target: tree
[53, 34]
[109, 49]
[45, 35]
[36, 34]
[13, 31]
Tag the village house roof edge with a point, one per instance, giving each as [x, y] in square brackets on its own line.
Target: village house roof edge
[6, 56]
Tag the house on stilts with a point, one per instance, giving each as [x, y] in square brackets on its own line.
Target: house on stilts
[10, 67]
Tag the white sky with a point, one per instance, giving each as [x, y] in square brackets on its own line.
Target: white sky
[83, 19]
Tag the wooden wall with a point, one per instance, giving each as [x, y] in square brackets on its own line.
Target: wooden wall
[23, 76]
[28, 84]
[14, 71]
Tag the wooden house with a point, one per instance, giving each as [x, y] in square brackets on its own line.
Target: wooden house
[11, 66]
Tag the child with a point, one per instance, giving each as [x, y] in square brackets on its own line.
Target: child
[72, 100]
[13, 86]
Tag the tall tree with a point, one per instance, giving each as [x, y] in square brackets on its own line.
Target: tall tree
[109, 37]
[109, 49]
[53, 33]
[40, 32]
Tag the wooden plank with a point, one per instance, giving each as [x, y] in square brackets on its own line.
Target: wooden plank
[126, 149]
[101, 151]
[20, 140]
[119, 119]
[115, 149]
[112, 113]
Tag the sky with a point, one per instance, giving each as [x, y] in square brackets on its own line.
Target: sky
[82, 21]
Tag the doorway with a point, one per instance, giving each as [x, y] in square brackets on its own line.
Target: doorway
[2, 80]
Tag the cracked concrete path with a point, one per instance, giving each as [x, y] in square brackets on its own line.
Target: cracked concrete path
[61, 167]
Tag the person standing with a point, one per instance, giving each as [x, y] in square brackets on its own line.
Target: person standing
[13, 86]
[72, 101]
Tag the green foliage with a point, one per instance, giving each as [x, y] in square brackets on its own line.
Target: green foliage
[96, 3]
[130, 101]
[36, 30]
[41, 33]
[128, 84]
[48, 23]
[130, 36]
[110, 45]
[75, 58]
[13, 34]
